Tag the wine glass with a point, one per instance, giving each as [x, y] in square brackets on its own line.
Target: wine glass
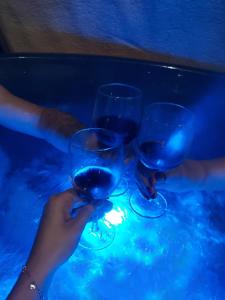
[96, 156]
[118, 108]
[163, 143]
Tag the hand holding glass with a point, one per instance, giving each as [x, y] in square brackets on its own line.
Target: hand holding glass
[97, 161]
[163, 143]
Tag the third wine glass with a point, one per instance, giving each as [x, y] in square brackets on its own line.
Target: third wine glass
[162, 144]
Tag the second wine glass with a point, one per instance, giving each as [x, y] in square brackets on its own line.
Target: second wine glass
[118, 108]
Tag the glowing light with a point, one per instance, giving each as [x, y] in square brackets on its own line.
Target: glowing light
[115, 216]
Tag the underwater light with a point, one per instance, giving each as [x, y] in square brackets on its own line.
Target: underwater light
[116, 216]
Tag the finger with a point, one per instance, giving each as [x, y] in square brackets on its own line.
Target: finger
[156, 180]
[82, 216]
[152, 192]
[68, 200]
[64, 199]
[102, 208]
[150, 185]
[152, 180]
[143, 189]
[104, 205]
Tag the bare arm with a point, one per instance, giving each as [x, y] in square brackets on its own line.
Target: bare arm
[192, 175]
[51, 250]
[18, 114]
[206, 175]
[49, 124]
[214, 174]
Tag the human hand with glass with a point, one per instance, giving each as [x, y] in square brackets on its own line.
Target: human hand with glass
[97, 161]
[57, 237]
[57, 128]
[162, 145]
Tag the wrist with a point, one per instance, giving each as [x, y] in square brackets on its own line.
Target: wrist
[57, 127]
[39, 272]
[54, 121]
[31, 284]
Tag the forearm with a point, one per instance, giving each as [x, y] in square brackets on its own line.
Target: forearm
[32, 284]
[18, 114]
[54, 126]
[214, 174]
[51, 250]
[30, 287]
[199, 175]
[22, 290]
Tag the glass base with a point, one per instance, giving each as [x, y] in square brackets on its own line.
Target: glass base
[148, 208]
[98, 235]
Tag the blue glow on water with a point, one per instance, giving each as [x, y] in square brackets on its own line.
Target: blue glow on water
[178, 256]
[116, 216]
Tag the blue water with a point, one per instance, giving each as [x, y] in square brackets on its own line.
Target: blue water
[178, 256]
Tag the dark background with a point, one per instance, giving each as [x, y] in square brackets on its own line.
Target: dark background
[69, 82]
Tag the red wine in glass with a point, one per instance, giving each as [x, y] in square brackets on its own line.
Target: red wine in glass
[96, 157]
[94, 182]
[126, 128]
[118, 109]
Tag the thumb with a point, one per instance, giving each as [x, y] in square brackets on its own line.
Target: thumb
[83, 214]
